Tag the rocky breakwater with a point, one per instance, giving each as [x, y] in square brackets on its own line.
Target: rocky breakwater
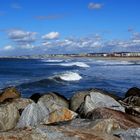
[89, 115]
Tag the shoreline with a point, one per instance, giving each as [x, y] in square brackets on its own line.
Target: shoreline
[92, 57]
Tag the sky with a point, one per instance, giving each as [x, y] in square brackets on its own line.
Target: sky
[29, 27]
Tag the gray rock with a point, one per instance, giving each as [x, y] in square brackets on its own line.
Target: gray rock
[53, 100]
[79, 97]
[9, 116]
[98, 100]
[32, 115]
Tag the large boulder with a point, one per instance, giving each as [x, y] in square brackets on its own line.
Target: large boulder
[60, 115]
[9, 93]
[52, 100]
[133, 92]
[97, 100]
[79, 97]
[32, 115]
[124, 120]
[9, 116]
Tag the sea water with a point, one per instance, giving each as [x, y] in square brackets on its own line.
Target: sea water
[66, 76]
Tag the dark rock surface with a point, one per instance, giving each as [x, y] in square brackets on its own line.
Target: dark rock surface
[35, 97]
[133, 92]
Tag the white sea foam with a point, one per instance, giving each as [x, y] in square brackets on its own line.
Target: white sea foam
[52, 60]
[106, 62]
[78, 64]
[68, 76]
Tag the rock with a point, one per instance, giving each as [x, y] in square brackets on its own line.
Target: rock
[60, 115]
[32, 115]
[97, 100]
[9, 93]
[130, 134]
[43, 132]
[124, 120]
[9, 116]
[132, 100]
[107, 126]
[132, 105]
[53, 100]
[79, 97]
[35, 97]
[133, 92]
[21, 103]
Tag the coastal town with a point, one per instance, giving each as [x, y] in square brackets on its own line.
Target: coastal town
[105, 55]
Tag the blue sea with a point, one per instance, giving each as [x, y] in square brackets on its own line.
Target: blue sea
[66, 76]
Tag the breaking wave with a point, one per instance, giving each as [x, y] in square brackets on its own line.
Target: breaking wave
[78, 64]
[102, 62]
[52, 60]
[68, 76]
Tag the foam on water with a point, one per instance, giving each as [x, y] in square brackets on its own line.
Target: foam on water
[68, 76]
[114, 62]
[52, 60]
[78, 64]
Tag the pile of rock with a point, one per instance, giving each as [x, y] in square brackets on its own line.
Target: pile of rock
[91, 115]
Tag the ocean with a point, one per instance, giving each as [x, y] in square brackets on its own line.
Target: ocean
[68, 75]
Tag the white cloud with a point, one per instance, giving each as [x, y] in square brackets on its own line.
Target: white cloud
[25, 42]
[93, 5]
[21, 36]
[8, 47]
[51, 35]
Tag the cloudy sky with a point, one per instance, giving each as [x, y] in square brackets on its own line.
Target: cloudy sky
[69, 26]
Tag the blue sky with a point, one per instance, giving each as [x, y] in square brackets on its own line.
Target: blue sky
[69, 26]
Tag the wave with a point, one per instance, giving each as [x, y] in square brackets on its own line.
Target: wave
[52, 60]
[105, 62]
[68, 76]
[39, 83]
[78, 64]
[51, 81]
